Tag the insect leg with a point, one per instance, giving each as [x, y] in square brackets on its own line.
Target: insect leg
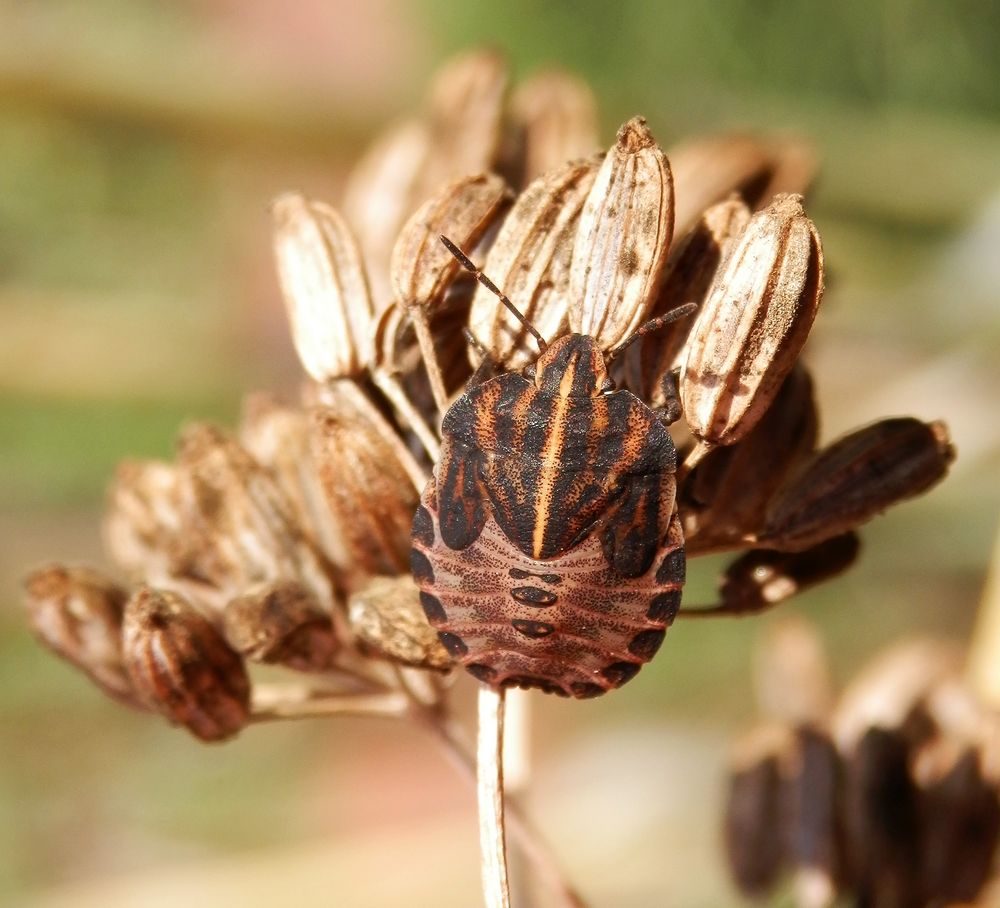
[671, 410]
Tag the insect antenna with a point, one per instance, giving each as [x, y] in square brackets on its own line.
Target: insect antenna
[466, 263]
[654, 324]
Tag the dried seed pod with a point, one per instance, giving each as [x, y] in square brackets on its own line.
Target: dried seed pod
[240, 529]
[325, 287]
[369, 481]
[386, 614]
[856, 478]
[555, 120]
[181, 666]
[623, 238]
[421, 266]
[530, 260]
[711, 168]
[143, 526]
[726, 496]
[690, 270]
[383, 191]
[794, 165]
[753, 828]
[762, 578]
[960, 818]
[810, 793]
[753, 324]
[77, 613]
[281, 624]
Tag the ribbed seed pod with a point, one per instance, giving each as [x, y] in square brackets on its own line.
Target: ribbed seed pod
[421, 267]
[856, 478]
[530, 261]
[753, 324]
[77, 613]
[554, 119]
[623, 239]
[325, 287]
[690, 271]
[181, 666]
[386, 614]
[281, 624]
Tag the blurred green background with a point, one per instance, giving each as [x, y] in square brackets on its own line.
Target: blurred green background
[140, 143]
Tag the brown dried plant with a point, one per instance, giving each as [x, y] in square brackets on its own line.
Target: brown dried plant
[287, 542]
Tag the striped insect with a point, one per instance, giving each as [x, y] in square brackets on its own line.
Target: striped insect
[547, 545]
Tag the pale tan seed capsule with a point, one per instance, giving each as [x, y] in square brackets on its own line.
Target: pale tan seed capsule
[422, 268]
[240, 529]
[386, 614]
[77, 613]
[857, 478]
[554, 118]
[711, 168]
[143, 525]
[325, 287]
[794, 164]
[753, 324]
[181, 666]
[281, 624]
[623, 239]
[726, 497]
[691, 269]
[530, 261]
[369, 481]
[792, 681]
[382, 192]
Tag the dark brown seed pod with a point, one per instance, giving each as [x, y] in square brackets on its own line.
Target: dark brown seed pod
[762, 578]
[281, 624]
[753, 825]
[77, 613]
[856, 478]
[726, 496]
[182, 667]
[387, 616]
[751, 328]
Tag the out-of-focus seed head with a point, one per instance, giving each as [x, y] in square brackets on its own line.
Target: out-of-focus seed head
[856, 478]
[530, 261]
[386, 615]
[77, 613]
[325, 287]
[281, 624]
[751, 328]
[623, 238]
[369, 482]
[725, 498]
[181, 666]
[554, 119]
[690, 271]
[422, 268]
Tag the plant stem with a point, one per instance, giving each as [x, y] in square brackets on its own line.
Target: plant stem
[299, 702]
[489, 789]
[390, 387]
[426, 341]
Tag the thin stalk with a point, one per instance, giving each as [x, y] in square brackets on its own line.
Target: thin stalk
[429, 354]
[390, 387]
[271, 702]
[489, 790]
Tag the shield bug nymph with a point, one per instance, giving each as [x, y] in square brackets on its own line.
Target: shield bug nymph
[547, 545]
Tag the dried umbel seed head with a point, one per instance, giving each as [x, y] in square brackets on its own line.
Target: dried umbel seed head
[181, 666]
[421, 267]
[726, 496]
[325, 287]
[281, 624]
[856, 478]
[386, 614]
[77, 613]
[530, 261]
[762, 578]
[751, 328]
[689, 274]
[555, 120]
[623, 238]
[369, 482]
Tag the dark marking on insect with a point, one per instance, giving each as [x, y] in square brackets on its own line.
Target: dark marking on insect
[554, 477]
[432, 608]
[420, 567]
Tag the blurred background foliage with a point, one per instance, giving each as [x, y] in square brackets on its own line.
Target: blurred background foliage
[140, 143]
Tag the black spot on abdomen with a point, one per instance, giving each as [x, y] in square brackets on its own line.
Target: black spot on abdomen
[533, 595]
[534, 629]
